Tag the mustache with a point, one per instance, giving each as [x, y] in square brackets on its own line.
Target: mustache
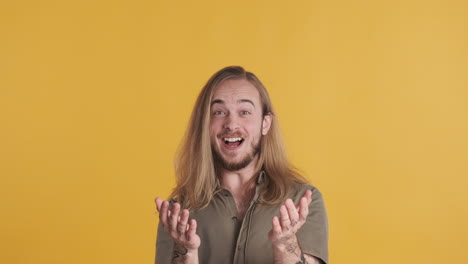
[235, 134]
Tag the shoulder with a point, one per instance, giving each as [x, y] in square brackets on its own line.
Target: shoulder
[313, 235]
[298, 189]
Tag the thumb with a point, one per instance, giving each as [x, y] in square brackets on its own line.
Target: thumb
[158, 202]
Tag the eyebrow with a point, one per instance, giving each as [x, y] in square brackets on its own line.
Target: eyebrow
[219, 101]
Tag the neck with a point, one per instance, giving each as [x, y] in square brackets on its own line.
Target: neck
[237, 181]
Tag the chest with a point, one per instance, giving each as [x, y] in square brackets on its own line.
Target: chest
[242, 205]
[226, 238]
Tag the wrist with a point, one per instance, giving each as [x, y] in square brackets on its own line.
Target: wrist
[286, 243]
[183, 250]
[192, 252]
[182, 254]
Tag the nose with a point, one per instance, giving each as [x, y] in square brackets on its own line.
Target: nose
[231, 123]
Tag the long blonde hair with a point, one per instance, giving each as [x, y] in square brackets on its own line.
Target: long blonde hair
[195, 168]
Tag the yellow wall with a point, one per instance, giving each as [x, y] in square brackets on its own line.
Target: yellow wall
[95, 95]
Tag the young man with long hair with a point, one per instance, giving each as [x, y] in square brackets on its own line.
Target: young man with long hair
[238, 199]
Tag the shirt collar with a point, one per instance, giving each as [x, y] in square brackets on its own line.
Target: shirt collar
[261, 177]
[260, 181]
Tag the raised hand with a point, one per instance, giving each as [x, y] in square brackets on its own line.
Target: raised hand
[292, 217]
[176, 224]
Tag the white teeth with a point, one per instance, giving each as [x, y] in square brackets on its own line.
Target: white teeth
[232, 139]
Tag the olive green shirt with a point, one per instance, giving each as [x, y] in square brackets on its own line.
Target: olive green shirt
[226, 240]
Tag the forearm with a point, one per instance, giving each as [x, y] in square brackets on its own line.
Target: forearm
[289, 252]
[183, 256]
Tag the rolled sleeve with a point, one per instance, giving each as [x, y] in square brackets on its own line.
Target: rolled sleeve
[313, 235]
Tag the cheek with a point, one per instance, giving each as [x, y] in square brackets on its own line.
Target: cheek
[254, 127]
[215, 127]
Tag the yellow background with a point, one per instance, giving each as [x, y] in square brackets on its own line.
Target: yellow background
[95, 96]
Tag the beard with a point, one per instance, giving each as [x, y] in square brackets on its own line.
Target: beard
[236, 166]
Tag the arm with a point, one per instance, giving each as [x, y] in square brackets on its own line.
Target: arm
[175, 223]
[286, 248]
[291, 252]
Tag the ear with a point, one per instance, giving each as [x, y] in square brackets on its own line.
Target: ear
[266, 124]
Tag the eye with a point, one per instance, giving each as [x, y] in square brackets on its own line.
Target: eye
[218, 112]
[245, 113]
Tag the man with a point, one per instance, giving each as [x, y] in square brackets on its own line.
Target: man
[238, 199]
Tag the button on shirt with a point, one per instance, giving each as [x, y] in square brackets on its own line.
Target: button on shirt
[226, 239]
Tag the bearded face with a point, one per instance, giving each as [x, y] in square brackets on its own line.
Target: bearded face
[237, 124]
[232, 164]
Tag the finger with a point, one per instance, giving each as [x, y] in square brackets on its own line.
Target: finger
[192, 229]
[173, 218]
[275, 225]
[284, 220]
[163, 215]
[308, 196]
[303, 209]
[292, 212]
[158, 202]
[182, 226]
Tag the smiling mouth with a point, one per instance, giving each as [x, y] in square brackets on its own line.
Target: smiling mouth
[233, 142]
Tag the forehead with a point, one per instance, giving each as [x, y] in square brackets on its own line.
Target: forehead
[233, 90]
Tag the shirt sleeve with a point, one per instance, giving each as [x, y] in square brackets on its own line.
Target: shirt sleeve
[164, 247]
[313, 235]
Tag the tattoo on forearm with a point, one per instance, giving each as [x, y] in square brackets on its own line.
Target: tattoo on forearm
[179, 251]
[292, 247]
